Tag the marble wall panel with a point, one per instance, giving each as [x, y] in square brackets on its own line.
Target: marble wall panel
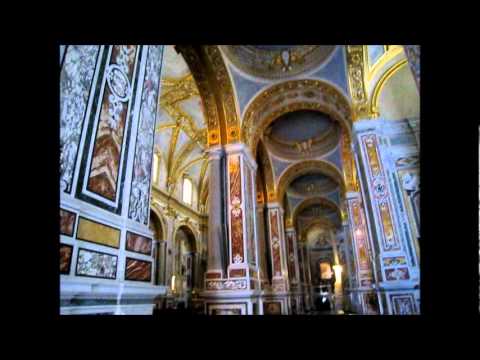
[76, 79]
[67, 222]
[98, 233]
[403, 304]
[140, 188]
[236, 214]
[400, 273]
[275, 243]
[105, 165]
[65, 258]
[96, 264]
[138, 243]
[138, 270]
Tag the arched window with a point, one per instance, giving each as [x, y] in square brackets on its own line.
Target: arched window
[156, 163]
[187, 191]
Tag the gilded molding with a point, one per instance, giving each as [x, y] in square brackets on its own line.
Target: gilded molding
[356, 81]
[225, 88]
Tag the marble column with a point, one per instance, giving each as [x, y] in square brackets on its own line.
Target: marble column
[215, 267]
[395, 265]
[240, 284]
[293, 265]
[108, 109]
[262, 250]
[277, 248]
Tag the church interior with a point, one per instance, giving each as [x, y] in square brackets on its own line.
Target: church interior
[239, 179]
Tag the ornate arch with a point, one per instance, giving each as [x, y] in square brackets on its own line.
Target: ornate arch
[215, 86]
[290, 96]
[317, 200]
[304, 167]
[377, 89]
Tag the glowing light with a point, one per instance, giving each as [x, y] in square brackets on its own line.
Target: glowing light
[173, 283]
[338, 273]
[358, 232]
[187, 191]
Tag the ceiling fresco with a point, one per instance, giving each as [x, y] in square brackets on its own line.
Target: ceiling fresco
[180, 138]
[277, 61]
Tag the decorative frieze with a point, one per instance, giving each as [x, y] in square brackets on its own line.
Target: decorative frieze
[96, 264]
[226, 284]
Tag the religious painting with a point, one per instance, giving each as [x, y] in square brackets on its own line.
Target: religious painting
[325, 271]
[138, 243]
[138, 270]
[65, 258]
[109, 136]
[96, 264]
[272, 308]
[67, 222]
[403, 304]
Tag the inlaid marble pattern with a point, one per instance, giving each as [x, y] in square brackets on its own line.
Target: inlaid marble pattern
[275, 241]
[380, 193]
[392, 261]
[96, 264]
[403, 304]
[76, 80]
[138, 243]
[291, 256]
[397, 274]
[65, 258]
[236, 214]
[359, 234]
[109, 137]
[138, 270]
[92, 231]
[142, 168]
[67, 222]
[249, 204]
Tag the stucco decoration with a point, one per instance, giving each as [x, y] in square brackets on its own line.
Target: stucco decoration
[279, 61]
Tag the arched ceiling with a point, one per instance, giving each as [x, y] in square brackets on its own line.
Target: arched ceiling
[302, 134]
[277, 61]
[181, 130]
[312, 184]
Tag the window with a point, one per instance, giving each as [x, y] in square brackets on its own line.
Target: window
[156, 161]
[187, 191]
